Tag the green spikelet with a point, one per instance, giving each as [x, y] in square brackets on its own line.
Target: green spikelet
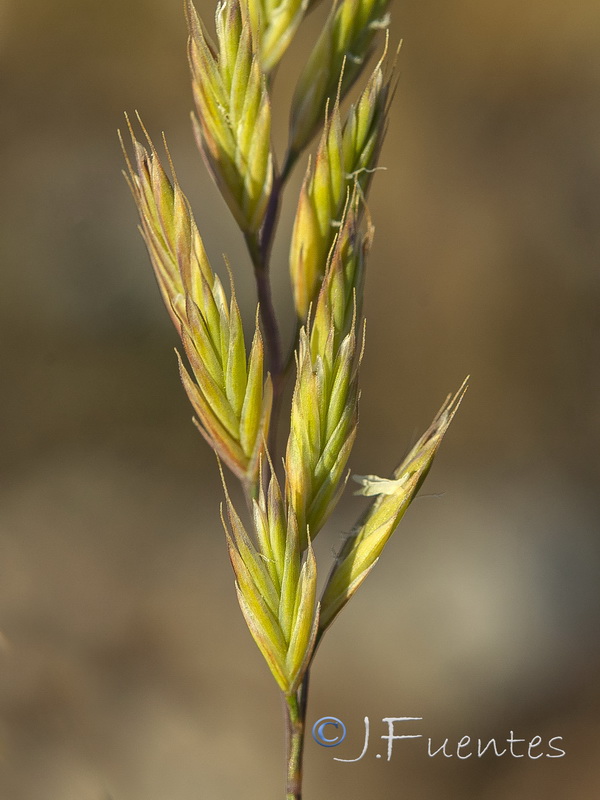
[228, 391]
[345, 43]
[276, 585]
[361, 551]
[274, 23]
[324, 413]
[233, 126]
[346, 160]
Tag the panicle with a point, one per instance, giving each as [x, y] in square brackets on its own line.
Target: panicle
[274, 564]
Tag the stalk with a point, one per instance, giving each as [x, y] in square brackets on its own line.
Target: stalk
[259, 247]
[267, 311]
[295, 714]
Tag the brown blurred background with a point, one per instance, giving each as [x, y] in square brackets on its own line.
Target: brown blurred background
[126, 669]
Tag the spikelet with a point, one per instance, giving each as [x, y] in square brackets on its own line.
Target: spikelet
[346, 158]
[344, 45]
[233, 126]
[228, 392]
[276, 585]
[324, 413]
[361, 551]
[274, 23]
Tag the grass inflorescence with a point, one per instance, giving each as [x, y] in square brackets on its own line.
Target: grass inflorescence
[235, 387]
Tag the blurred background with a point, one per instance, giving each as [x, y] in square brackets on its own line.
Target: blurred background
[126, 669]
